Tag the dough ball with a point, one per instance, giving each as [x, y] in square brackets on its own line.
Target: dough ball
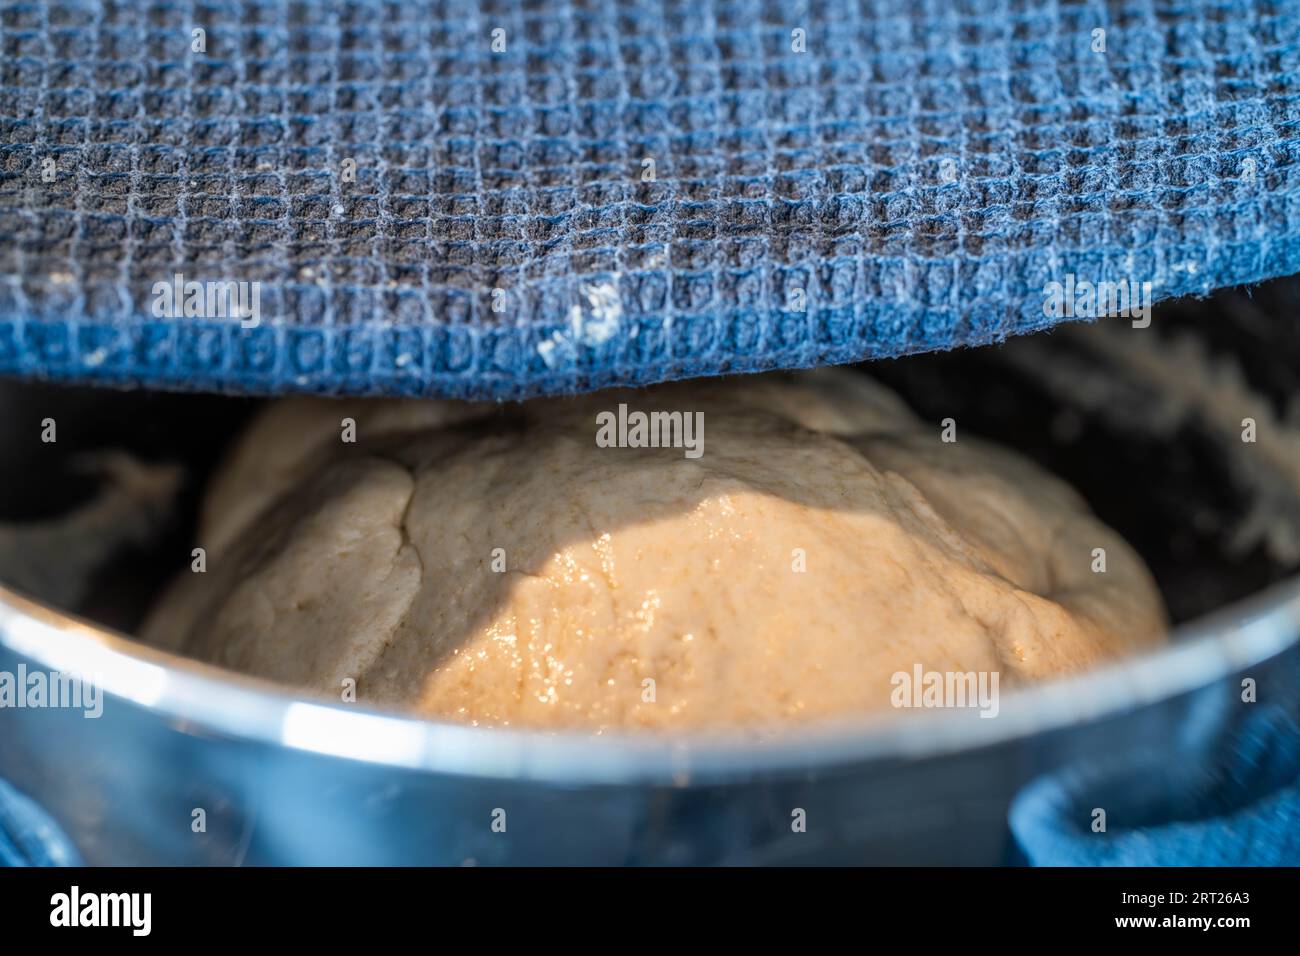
[494, 565]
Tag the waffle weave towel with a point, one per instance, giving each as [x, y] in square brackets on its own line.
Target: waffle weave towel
[494, 199]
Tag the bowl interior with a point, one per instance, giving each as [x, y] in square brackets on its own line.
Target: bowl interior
[1145, 422]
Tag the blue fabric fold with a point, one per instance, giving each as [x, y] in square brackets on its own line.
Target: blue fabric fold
[1226, 794]
[28, 837]
[492, 201]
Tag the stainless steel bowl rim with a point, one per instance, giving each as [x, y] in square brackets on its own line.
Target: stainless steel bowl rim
[200, 698]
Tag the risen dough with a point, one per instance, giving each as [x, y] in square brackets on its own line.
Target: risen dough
[374, 560]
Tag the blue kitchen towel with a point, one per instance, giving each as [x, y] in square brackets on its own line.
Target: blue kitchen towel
[28, 837]
[494, 199]
[1225, 792]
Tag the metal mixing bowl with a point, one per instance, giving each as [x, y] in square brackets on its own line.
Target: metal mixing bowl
[285, 779]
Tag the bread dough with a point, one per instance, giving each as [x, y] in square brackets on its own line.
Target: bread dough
[824, 541]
